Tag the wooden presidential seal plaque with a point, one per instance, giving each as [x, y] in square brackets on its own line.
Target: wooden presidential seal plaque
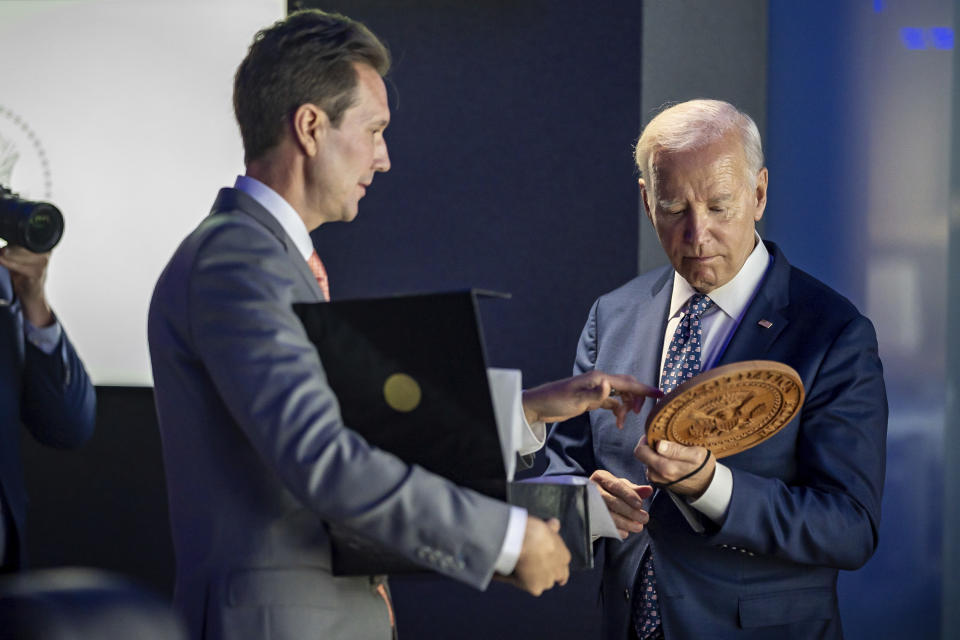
[728, 409]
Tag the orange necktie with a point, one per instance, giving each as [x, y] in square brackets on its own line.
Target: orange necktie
[320, 273]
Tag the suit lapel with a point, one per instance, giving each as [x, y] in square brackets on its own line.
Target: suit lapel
[235, 200]
[764, 319]
[653, 325]
[630, 333]
[12, 347]
[656, 318]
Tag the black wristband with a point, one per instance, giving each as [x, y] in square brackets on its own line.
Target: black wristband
[706, 458]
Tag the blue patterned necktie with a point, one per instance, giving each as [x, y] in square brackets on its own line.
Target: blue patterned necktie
[682, 363]
[683, 356]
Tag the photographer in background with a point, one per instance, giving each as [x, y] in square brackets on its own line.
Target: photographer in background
[43, 384]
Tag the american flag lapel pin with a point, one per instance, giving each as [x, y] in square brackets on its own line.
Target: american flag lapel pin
[766, 324]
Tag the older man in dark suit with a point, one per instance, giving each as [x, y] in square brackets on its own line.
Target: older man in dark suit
[750, 547]
[43, 386]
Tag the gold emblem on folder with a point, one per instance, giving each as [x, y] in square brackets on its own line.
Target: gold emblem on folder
[402, 393]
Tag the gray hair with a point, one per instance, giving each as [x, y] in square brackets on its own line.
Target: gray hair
[695, 124]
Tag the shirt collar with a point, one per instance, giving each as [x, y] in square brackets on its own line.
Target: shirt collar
[733, 297]
[280, 209]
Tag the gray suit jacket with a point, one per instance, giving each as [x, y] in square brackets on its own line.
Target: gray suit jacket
[805, 503]
[257, 456]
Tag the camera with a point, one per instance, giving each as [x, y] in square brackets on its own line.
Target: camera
[35, 226]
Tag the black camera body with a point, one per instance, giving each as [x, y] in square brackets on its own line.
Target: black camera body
[35, 226]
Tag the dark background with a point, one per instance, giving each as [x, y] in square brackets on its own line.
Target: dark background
[511, 139]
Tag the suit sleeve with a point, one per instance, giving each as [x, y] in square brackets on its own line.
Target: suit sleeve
[570, 443]
[829, 513]
[271, 380]
[58, 404]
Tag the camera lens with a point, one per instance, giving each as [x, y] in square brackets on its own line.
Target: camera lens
[43, 228]
[36, 226]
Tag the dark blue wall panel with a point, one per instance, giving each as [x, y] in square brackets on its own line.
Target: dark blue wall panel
[511, 149]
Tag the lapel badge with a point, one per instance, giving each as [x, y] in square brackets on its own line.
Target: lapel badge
[766, 324]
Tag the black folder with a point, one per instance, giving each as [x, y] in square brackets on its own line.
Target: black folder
[567, 503]
[435, 340]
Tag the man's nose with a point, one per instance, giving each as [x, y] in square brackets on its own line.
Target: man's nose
[381, 159]
[697, 225]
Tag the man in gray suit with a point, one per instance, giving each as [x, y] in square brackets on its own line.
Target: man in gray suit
[257, 456]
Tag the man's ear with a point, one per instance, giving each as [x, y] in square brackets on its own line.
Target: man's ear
[310, 126]
[760, 194]
[645, 197]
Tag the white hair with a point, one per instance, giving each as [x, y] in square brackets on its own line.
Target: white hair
[693, 125]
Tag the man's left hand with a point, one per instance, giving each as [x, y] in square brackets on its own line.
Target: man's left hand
[28, 273]
[568, 398]
[672, 461]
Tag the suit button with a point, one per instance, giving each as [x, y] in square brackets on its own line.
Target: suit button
[626, 594]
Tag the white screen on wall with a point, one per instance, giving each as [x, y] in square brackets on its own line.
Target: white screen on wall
[119, 112]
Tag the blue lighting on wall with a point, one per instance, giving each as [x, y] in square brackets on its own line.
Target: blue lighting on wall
[942, 37]
[878, 5]
[917, 39]
[912, 38]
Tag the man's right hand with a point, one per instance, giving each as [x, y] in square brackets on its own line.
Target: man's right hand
[624, 499]
[28, 273]
[544, 559]
[564, 399]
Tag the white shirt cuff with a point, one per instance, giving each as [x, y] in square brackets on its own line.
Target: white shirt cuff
[44, 338]
[716, 499]
[516, 436]
[512, 542]
[532, 436]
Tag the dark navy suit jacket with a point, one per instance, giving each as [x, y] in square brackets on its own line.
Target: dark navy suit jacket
[805, 503]
[49, 394]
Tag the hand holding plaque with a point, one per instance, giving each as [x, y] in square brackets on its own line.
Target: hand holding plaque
[728, 409]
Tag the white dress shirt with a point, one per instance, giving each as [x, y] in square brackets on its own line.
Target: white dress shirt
[717, 326]
[294, 227]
